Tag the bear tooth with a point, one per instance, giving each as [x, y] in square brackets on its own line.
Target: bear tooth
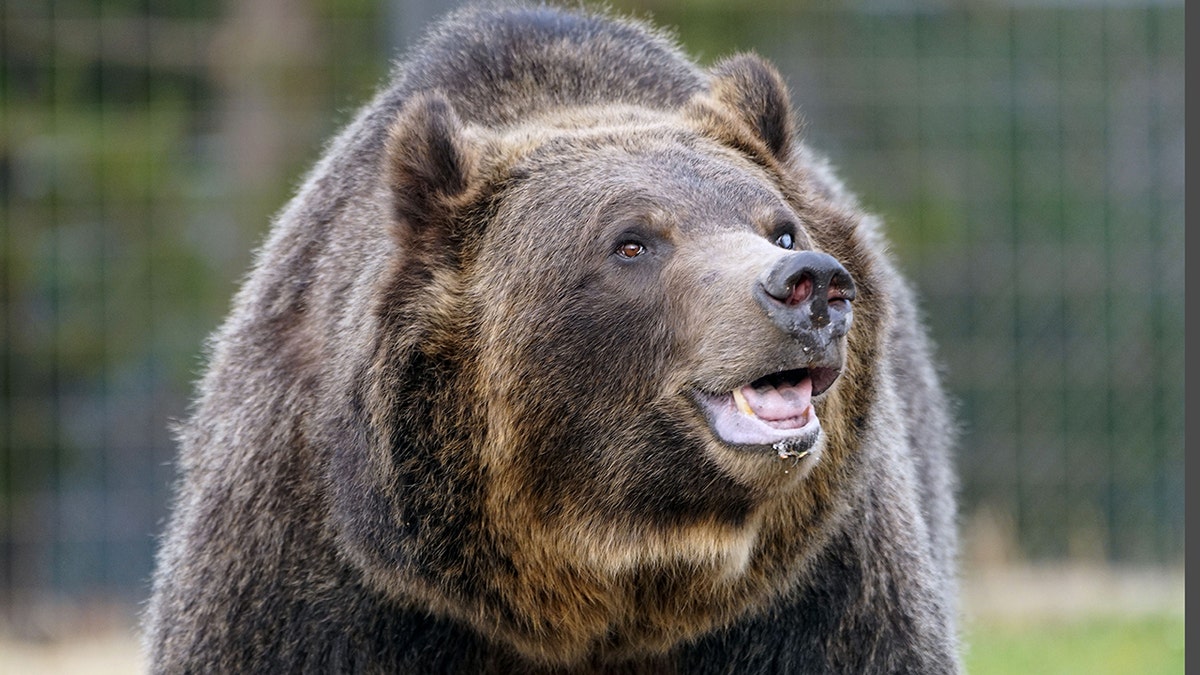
[740, 399]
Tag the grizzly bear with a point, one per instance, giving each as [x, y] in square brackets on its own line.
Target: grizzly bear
[569, 356]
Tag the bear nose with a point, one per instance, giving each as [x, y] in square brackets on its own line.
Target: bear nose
[807, 291]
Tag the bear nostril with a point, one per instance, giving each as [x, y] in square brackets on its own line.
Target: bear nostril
[799, 291]
[841, 287]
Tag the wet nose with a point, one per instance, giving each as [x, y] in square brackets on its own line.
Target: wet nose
[807, 291]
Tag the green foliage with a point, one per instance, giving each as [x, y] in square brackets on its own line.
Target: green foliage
[128, 211]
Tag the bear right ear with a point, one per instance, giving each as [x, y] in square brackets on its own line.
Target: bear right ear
[431, 162]
[753, 90]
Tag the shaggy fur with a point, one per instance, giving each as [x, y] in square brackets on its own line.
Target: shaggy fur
[449, 427]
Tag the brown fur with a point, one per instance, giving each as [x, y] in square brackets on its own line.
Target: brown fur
[445, 430]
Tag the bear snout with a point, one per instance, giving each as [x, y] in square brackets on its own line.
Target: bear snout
[807, 294]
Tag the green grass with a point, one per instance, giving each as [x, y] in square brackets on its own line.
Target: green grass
[1089, 646]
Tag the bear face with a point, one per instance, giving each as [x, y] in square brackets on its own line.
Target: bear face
[638, 324]
[625, 341]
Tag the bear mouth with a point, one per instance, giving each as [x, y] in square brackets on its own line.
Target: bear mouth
[774, 410]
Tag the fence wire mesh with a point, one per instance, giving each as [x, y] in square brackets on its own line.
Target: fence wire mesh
[1028, 159]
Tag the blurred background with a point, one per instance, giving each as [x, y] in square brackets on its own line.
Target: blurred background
[1028, 157]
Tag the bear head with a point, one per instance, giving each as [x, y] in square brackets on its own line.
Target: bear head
[615, 370]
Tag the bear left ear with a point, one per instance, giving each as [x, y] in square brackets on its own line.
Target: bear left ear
[431, 163]
[753, 90]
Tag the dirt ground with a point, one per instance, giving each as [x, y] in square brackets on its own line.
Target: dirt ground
[58, 642]
[111, 653]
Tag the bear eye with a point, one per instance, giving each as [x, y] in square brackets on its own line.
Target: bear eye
[785, 240]
[630, 249]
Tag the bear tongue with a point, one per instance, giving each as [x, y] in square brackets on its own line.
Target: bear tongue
[779, 403]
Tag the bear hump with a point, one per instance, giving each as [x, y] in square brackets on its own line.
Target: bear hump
[499, 63]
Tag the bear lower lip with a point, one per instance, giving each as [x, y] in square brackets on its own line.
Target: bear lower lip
[768, 411]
